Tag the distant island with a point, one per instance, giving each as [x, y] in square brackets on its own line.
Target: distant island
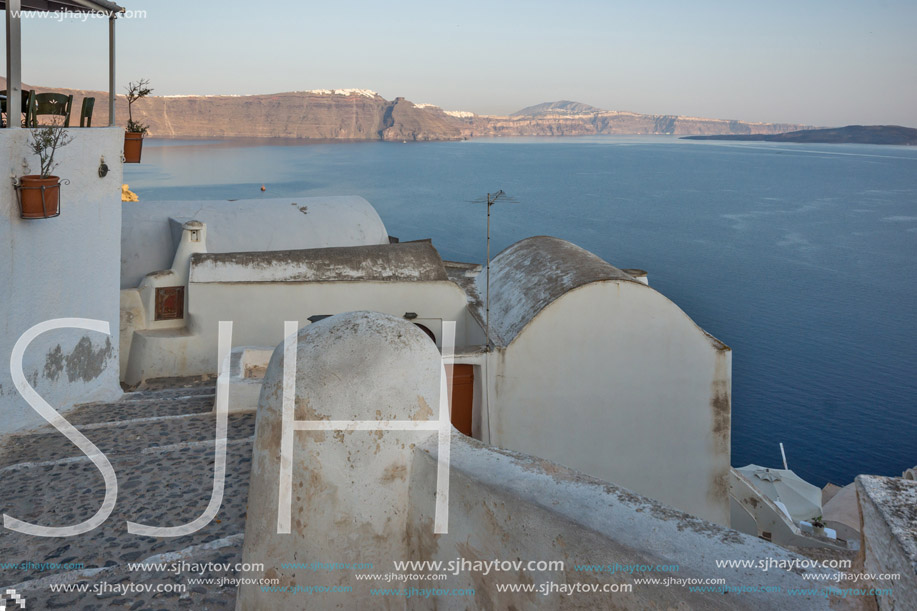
[852, 134]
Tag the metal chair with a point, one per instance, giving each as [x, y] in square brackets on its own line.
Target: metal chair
[86, 112]
[26, 106]
[55, 104]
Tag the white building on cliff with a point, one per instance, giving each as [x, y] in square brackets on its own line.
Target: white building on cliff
[590, 367]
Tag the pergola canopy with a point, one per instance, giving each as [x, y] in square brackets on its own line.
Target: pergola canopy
[72, 6]
[13, 8]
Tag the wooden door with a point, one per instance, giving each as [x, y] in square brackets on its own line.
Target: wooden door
[462, 397]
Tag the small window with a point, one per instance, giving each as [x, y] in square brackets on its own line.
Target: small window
[170, 303]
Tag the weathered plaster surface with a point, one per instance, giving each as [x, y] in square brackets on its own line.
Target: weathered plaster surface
[888, 506]
[407, 261]
[508, 505]
[349, 489]
[61, 267]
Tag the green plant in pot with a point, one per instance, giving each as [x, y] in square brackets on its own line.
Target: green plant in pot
[133, 135]
[39, 194]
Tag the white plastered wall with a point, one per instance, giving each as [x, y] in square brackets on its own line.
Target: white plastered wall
[614, 380]
[258, 311]
[61, 267]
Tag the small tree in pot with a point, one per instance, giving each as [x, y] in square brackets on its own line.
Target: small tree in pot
[39, 194]
[133, 136]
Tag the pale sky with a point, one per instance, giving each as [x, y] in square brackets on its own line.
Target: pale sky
[819, 62]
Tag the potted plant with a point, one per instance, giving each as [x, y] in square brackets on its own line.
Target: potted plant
[133, 135]
[39, 194]
[818, 526]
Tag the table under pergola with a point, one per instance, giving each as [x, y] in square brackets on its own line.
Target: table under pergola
[13, 8]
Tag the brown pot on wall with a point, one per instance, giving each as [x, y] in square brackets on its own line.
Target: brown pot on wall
[39, 198]
[133, 145]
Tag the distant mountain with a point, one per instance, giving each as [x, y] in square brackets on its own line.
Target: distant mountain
[562, 107]
[360, 114]
[852, 134]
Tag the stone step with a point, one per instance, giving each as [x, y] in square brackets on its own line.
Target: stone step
[161, 446]
[130, 409]
[167, 385]
[158, 487]
[122, 438]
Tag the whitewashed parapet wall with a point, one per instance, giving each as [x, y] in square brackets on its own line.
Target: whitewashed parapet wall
[152, 229]
[508, 505]
[370, 496]
[58, 268]
[598, 371]
[888, 506]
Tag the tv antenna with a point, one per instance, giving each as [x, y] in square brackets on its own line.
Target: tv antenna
[490, 200]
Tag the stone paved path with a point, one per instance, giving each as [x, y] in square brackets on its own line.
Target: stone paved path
[160, 443]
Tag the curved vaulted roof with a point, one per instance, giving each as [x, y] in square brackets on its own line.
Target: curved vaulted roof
[530, 275]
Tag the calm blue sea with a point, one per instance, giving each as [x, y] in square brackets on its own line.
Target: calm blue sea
[802, 258]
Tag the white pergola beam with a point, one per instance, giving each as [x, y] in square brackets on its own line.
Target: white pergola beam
[111, 70]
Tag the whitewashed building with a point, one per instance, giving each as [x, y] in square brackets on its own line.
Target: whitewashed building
[596, 370]
[588, 365]
[151, 231]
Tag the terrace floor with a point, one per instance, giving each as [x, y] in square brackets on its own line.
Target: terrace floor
[160, 443]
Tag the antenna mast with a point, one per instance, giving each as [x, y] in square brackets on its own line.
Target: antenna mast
[491, 200]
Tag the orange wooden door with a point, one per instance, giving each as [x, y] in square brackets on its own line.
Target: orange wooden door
[462, 397]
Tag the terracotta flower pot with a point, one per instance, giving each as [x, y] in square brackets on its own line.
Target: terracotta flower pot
[133, 146]
[39, 198]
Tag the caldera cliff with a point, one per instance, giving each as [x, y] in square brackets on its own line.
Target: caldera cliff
[359, 114]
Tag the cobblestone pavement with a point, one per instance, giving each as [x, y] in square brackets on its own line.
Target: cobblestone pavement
[160, 443]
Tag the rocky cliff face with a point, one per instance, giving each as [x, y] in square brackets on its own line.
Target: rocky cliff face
[613, 123]
[358, 114]
[406, 121]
